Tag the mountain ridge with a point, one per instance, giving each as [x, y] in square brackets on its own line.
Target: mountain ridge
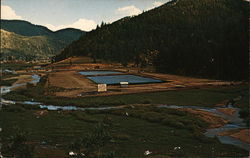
[21, 26]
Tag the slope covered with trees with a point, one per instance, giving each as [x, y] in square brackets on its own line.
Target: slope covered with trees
[207, 38]
[24, 28]
[27, 41]
[27, 47]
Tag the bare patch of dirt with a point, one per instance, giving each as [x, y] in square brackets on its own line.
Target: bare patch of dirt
[41, 112]
[70, 82]
[223, 103]
[213, 120]
[23, 79]
[227, 111]
[43, 152]
[241, 134]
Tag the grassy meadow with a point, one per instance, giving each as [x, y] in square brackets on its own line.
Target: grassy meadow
[144, 128]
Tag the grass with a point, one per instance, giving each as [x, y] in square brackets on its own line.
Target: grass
[7, 82]
[5, 76]
[133, 134]
[16, 66]
[195, 97]
[145, 128]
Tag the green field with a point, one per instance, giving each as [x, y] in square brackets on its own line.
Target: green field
[130, 132]
[199, 97]
[7, 82]
[143, 129]
[16, 66]
[195, 97]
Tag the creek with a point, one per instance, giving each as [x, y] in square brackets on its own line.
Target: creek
[234, 120]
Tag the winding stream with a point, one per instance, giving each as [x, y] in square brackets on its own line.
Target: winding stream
[7, 89]
[235, 122]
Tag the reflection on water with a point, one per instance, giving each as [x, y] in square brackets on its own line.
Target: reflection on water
[70, 108]
[116, 79]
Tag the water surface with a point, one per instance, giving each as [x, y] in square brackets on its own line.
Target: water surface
[116, 79]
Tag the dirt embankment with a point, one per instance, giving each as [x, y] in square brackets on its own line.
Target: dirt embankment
[75, 84]
[216, 121]
[21, 79]
[241, 134]
[69, 83]
[227, 111]
[213, 120]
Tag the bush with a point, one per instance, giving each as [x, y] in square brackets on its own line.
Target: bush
[146, 102]
[7, 82]
[30, 107]
[200, 136]
[176, 112]
[13, 108]
[16, 95]
[17, 146]
[153, 116]
[173, 123]
[122, 137]
[82, 116]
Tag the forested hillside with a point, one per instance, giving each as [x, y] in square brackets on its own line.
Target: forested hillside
[204, 38]
[28, 47]
[24, 28]
[26, 41]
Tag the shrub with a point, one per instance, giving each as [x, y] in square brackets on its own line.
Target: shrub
[82, 116]
[122, 137]
[173, 123]
[199, 136]
[146, 102]
[30, 107]
[17, 146]
[13, 108]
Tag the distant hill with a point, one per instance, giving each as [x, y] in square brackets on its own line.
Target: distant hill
[28, 47]
[24, 28]
[204, 38]
[68, 34]
[24, 40]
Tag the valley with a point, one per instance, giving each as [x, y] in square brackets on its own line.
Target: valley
[124, 79]
[132, 113]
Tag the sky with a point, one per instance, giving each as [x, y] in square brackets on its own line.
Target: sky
[80, 14]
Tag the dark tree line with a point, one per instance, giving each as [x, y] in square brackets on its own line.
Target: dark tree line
[206, 38]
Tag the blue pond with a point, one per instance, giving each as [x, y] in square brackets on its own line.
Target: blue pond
[89, 73]
[116, 79]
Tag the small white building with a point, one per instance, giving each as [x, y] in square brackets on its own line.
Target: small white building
[124, 84]
[102, 87]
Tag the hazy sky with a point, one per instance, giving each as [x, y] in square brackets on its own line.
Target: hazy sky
[81, 14]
